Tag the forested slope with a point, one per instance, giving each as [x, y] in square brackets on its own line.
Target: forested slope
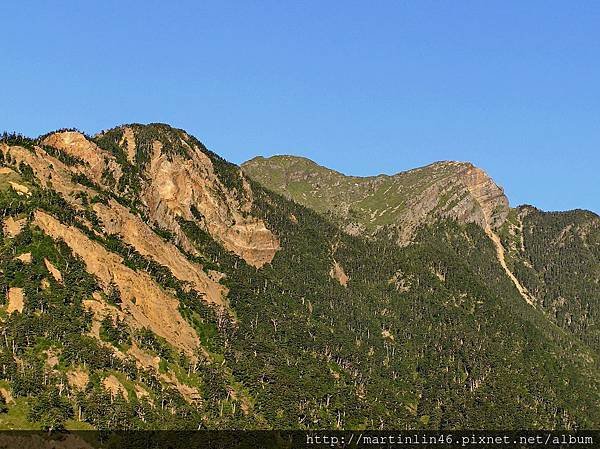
[556, 255]
[147, 283]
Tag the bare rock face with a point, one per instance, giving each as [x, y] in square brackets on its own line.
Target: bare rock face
[142, 179]
[485, 193]
[174, 184]
[144, 300]
[96, 160]
[467, 195]
[116, 219]
[337, 272]
[177, 184]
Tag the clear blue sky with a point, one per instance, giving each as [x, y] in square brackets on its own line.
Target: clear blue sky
[362, 87]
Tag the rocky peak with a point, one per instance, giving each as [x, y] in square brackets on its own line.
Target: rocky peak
[165, 175]
[181, 176]
[94, 160]
[492, 204]
[403, 201]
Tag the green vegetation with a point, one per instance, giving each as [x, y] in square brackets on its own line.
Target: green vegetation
[556, 255]
[372, 202]
[430, 335]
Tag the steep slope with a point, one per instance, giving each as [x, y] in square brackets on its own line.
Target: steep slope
[155, 286]
[402, 201]
[556, 255]
[395, 205]
[175, 178]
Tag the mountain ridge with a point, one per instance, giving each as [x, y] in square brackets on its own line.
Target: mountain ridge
[149, 284]
[256, 160]
[403, 200]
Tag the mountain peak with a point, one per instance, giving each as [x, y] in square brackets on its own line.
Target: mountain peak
[403, 201]
[162, 172]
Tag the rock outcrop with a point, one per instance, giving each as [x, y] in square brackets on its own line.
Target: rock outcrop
[178, 176]
[144, 301]
[178, 184]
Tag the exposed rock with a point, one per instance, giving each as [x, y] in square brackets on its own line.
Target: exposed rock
[115, 387]
[467, 195]
[400, 203]
[177, 184]
[50, 170]
[13, 226]
[142, 393]
[129, 143]
[76, 144]
[100, 310]
[387, 335]
[52, 358]
[143, 358]
[78, 378]
[500, 252]
[118, 220]
[53, 270]
[20, 188]
[16, 300]
[191, 394]
[25, 258]
[338, 273]
[8, 397]
[174, 184]
[146, 302]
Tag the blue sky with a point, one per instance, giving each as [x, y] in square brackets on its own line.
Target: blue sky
[362, 87]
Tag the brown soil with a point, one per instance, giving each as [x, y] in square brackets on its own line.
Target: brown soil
[338, 273]
[13, 226]
[16, 300]
[142, 298]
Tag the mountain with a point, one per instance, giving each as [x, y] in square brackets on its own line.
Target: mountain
[556, 256]
[149, 284]
[552, 258]
[365, 205]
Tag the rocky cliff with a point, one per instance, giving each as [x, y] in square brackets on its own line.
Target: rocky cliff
[177, 177]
